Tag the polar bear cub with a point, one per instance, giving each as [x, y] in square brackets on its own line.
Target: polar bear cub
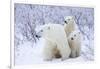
[69, 24]
[55, 39]
[74, 40]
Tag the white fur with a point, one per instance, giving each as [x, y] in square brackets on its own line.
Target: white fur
[70, 24]
[75, 44]
[55, 37]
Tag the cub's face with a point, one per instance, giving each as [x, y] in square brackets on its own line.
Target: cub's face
[69, 19]
[43, 31]
[74, 36]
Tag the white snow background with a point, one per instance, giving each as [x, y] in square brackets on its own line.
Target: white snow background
[27, 17]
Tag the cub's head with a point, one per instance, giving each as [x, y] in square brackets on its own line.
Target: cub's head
[42, 31]
[69, 19]
[74, 36]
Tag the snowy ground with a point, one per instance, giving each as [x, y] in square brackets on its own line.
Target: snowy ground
[32, 54]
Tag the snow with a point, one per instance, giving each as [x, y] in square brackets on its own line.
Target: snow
[33, 55]
[27, 17]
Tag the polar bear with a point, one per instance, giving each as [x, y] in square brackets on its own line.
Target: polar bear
[55, 41]
[74, 40]
[69, 24]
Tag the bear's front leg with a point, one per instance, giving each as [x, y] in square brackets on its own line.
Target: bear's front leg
[65, 53]
[48, 56]
[78, 52]
[64, 57]
[48, 51]
[73, 54]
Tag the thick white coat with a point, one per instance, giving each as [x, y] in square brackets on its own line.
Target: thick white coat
[74, 40]
[55, 37]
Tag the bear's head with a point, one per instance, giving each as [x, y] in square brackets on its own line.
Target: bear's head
[69, 19]
[74, 36]
[42, 31]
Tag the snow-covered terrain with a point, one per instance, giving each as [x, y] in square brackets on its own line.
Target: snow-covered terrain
[27, 16]
[32, 55]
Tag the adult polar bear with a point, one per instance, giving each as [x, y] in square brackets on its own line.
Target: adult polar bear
[55, 41]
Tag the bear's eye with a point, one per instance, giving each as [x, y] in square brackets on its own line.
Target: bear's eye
[68, 19]
[74, 35]
[65, 22]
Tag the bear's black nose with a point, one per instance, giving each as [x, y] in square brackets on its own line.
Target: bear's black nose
[36, 35]
[72, 38]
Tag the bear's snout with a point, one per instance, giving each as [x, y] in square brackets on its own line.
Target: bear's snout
[37, 36]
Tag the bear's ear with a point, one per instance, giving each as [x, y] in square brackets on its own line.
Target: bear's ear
[65, 18]
[73, 17]
[41, 30]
